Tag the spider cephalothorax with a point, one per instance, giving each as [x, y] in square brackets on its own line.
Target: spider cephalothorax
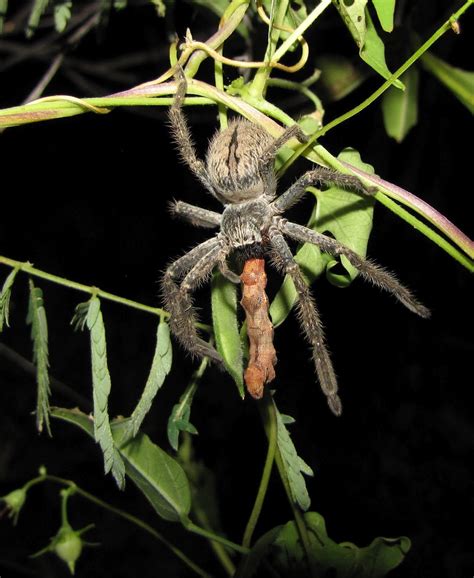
[239, 172]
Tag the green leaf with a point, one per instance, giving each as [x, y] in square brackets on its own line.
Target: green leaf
[39, 334]
[159, 7]
[400, 109]
[226, 330]
[294, 16]
[5, 295]
[459, 82]
[385, 10]
[39, 6]
[160, 368]
[346, 216]
[294, 466]
[3, 13]
[339, 75]
[202, 481]
[373, 52]
[281, 548]
[101, 386]
[62, 15]
[180, 415]
[353, 13]
[158, 476]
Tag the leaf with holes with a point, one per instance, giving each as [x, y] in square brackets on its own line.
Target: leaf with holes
[373, 52]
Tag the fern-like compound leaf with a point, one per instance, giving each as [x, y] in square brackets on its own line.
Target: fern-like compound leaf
[160, 368]
[101, 385]
[294, 466]
[39, 335]
[5, 295]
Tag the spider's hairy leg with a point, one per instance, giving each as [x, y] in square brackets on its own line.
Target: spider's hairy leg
[267, 159]
[319, 175]
[195, 215]
[372, 272]
[309, 318]
[193, 267]
[182, 134]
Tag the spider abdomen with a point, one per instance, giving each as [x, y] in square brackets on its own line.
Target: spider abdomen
[234, 162]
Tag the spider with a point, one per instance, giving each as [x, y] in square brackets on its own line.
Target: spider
[239, 172]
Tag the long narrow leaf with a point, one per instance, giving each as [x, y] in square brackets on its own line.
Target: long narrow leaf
[39, 334]
[294, 466]
[400, 109]
[39, 6]
[5, 299]
[459, 82]
[226, 330]
[157, 475]
[160, 368]
[101, 389]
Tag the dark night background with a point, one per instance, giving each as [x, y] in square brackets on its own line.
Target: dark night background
[86, 197]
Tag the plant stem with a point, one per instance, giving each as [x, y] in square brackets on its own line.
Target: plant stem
[259, 82]
[268, 412]
[31, 270]
[269, 419]
[133, 520]
[214, 537]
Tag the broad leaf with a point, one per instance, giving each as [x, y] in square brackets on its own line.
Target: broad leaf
[160, 368]
[282, 549]
[39, 334]
[158, 476]
[226, 330]
[294, 466]
[385, 10]
[460, 82]
[345, 215]
[353, 13]
[5, 295]
[400, 108]
[373, 52]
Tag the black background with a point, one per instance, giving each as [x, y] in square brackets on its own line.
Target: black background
[86, 198]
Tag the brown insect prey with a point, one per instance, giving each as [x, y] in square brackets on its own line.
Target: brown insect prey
[260, 369]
